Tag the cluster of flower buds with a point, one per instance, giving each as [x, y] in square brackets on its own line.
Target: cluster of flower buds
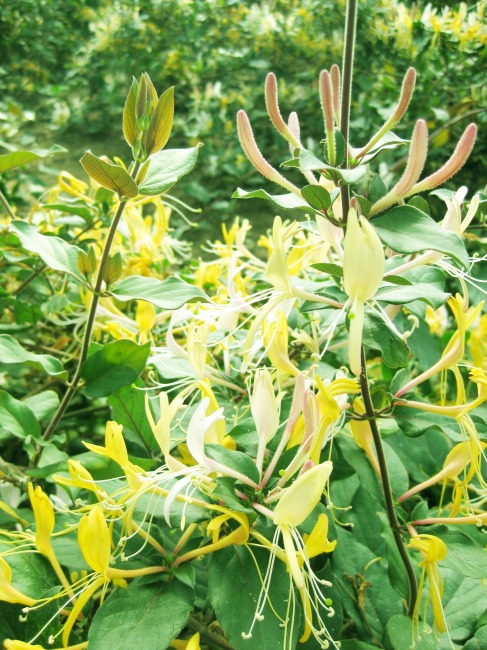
[147, 118]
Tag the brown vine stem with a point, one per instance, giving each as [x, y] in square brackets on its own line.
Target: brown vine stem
[73, 385]
[346, 94]
[386, 486]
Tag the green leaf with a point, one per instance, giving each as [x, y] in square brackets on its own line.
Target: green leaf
[469, 561]
[406, 229]
[42, 404]
[307, 161]
[235, 585]
[128, 409]
[400, 634]
[424, 291]
[172, 293]
[112, 177]
[225, 491]
[463, 603]
[161, 122]
[16, 418]
[12, 352]
[166, 168]
[317, 197]
[236, 460]
[141, 616]
[329, 269]
[286, 201]
[377, 335]
[388, 141]
[117, 364]
[414, 422]
[377, 189]
[19, 158]
[53, 251]
[77, 207]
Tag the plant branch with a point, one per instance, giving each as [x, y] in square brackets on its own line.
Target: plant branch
[386, 486]
[348, 53]
[73, 386]
[7, 205]
[215, 639]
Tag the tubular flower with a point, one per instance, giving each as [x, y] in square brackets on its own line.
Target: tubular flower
[362, 434]
[433, 550]
[276, 337]
[464, 454]
[8, 592]
[363, 269]
[44, 516]
[296, 503]
[455, 348]
[265, 411]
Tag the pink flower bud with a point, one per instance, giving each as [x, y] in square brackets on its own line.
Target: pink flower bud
[453, 165]
[274, 112]
[253, 153]
[335, 82]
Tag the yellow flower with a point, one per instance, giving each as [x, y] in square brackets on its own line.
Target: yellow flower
[8, 592]
[363, 270]
[433, 550]
[189, 644]
[94, 540]
[44, 517]
[275, 334]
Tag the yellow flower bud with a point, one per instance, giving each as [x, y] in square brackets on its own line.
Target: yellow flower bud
[44, 517]
[94, 540]
[363, 269]
[300, 499]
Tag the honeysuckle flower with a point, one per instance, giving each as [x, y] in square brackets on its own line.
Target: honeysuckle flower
[409, 183]
[276, 342]
[402, 105]
[114, 446]
[8, 592]
[265, 411]
[80, 477]
[432, 550]
[363, 270]
[455, 348]
[45, 520]
[252, 151]
[477, 343]
[272, 105]
[362, 434]
[296, 503]
[458, 459]
[415, 163]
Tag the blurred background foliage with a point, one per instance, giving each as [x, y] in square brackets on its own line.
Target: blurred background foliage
[66, 67]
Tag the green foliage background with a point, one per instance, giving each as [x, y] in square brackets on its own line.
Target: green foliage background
[67, 65]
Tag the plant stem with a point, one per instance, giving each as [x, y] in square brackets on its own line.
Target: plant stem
[386, 486]
[348, 53]
[215, 639]
[7, 205]
[73, 386]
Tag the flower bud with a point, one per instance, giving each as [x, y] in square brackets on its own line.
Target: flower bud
[300, 499]
[263, 405]
[44, 517]
[363, 269]
[94, 540]
[112, 269]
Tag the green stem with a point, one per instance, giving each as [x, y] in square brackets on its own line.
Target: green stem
[7, 205]
[386, 486]
[348, 53]
[195, 626]
[90, 323]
